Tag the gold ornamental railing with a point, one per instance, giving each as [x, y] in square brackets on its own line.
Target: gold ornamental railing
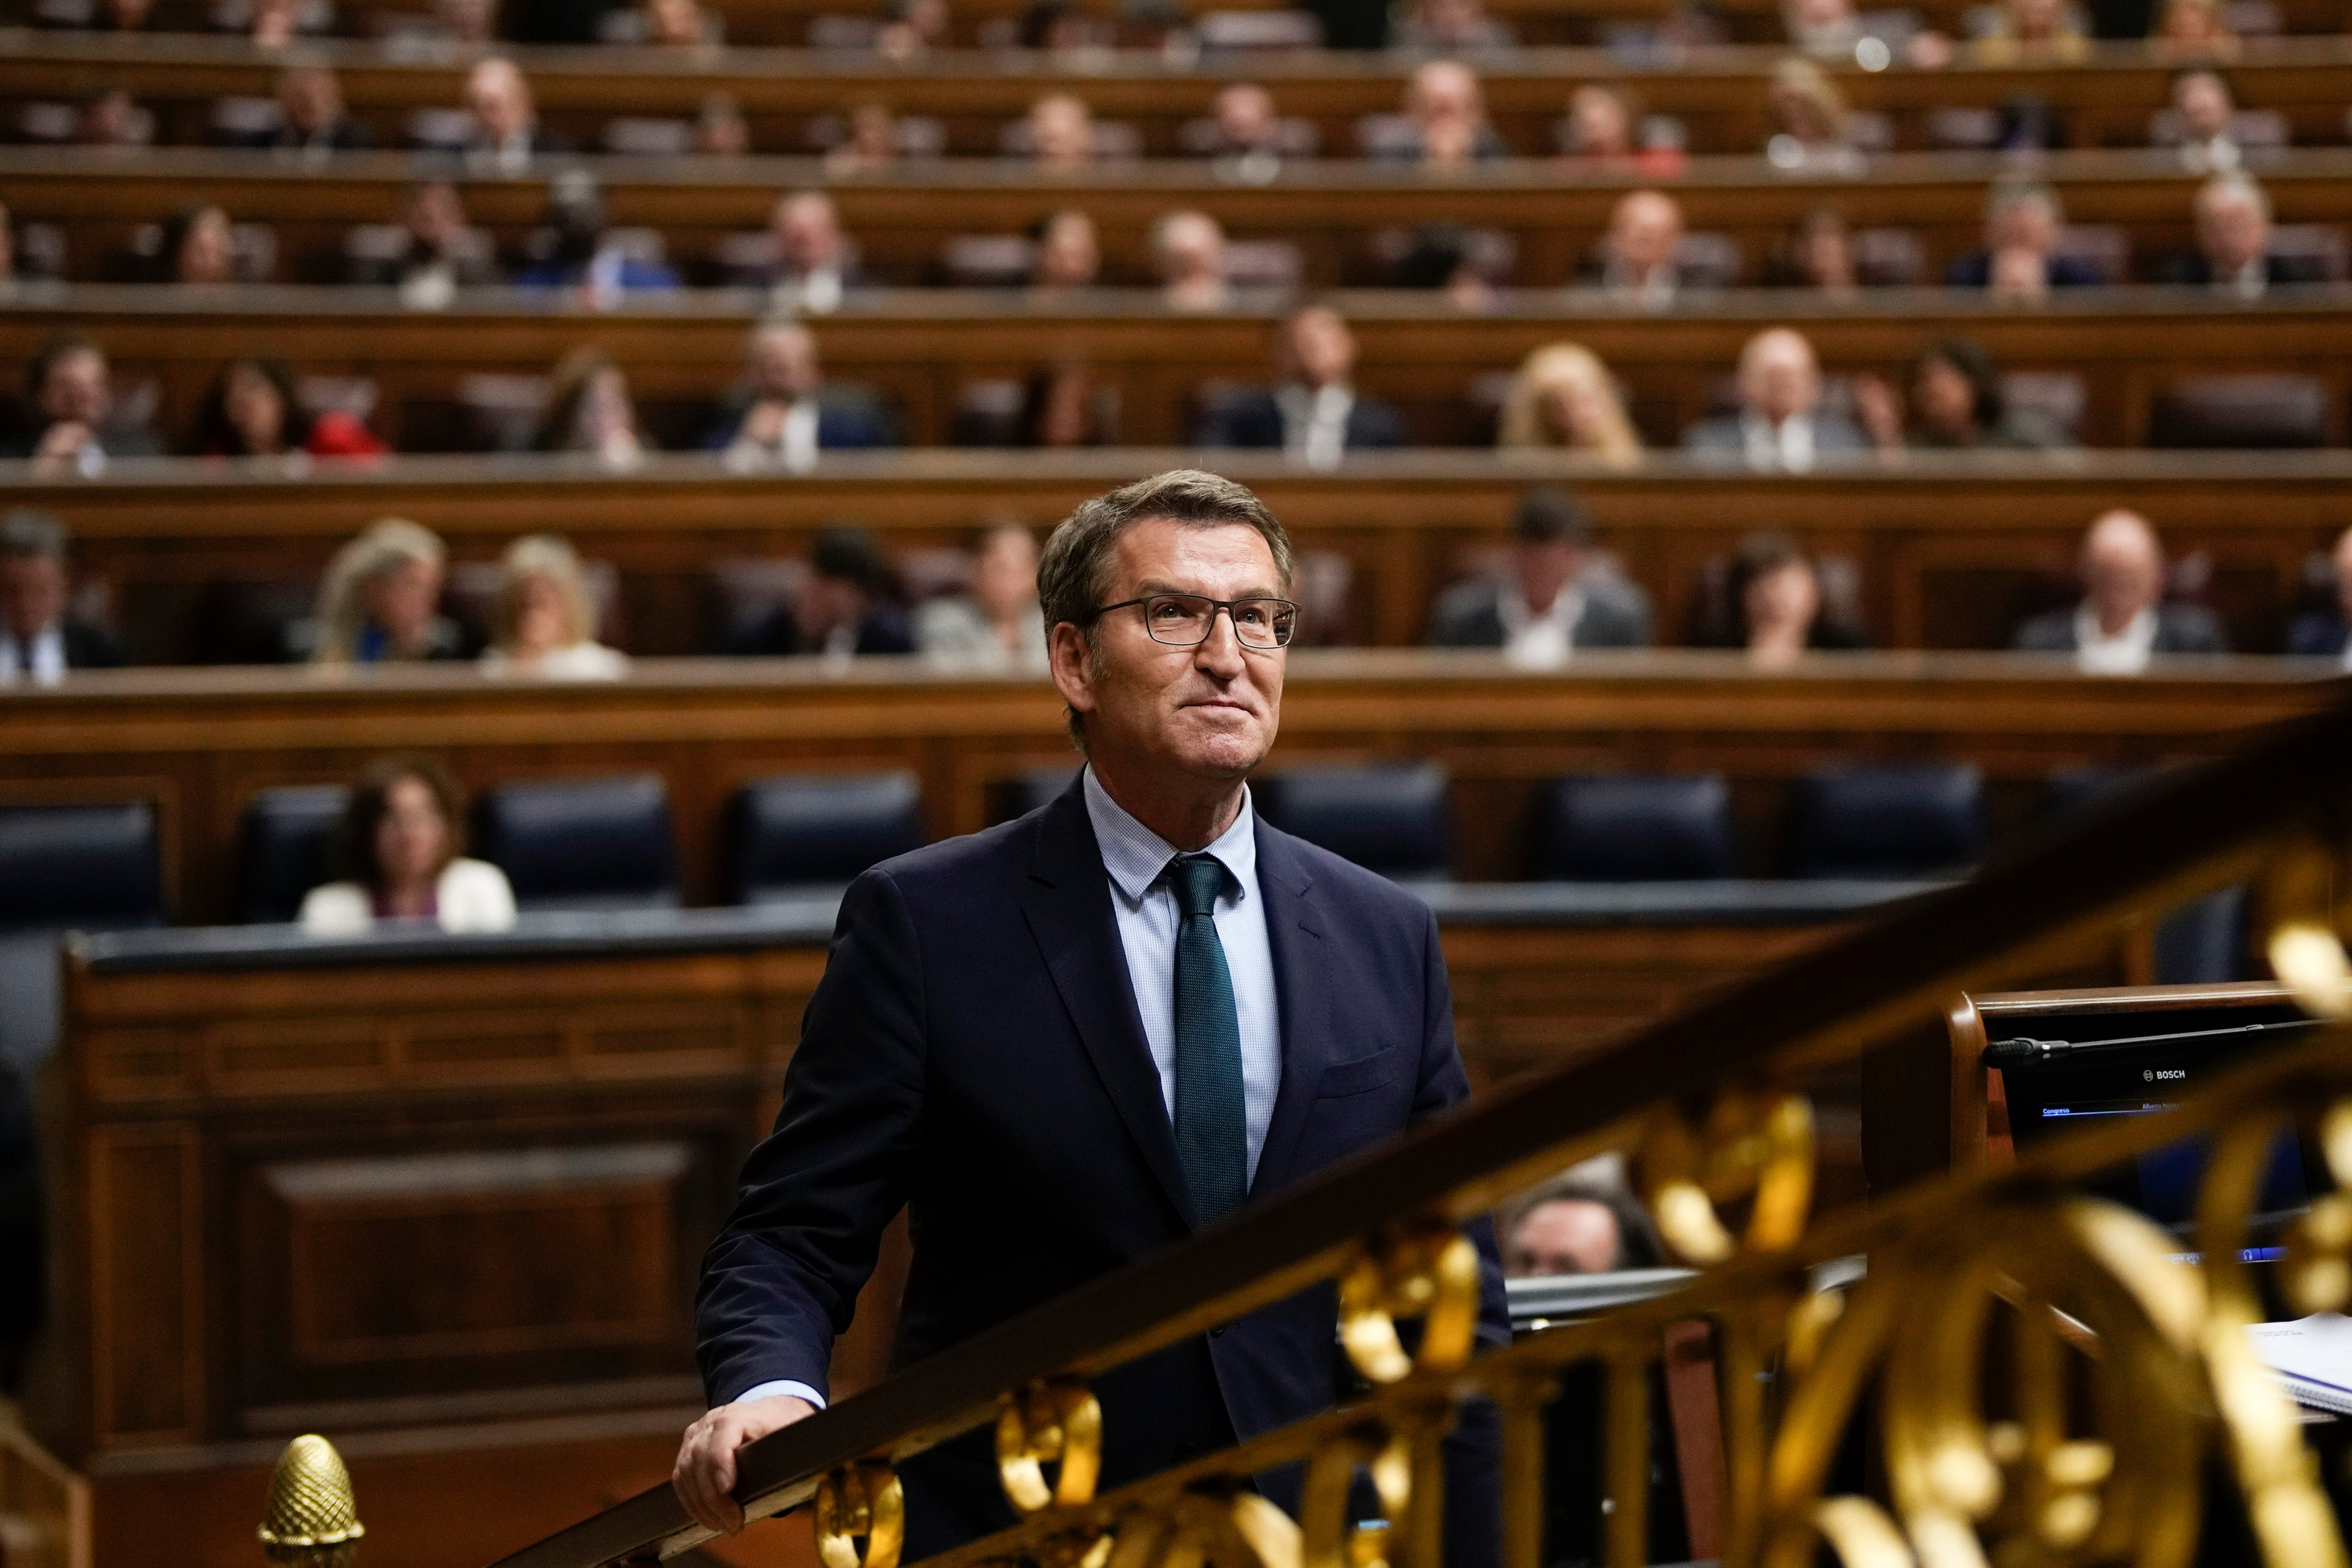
[2042, 1379]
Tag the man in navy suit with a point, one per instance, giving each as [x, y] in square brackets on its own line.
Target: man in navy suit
[785, 413]
[1082, 1036]
[1314, 413]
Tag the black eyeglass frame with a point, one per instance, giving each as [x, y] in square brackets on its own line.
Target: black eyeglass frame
[1099, 611]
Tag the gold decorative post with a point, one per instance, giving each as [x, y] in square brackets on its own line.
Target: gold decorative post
[311, 1521]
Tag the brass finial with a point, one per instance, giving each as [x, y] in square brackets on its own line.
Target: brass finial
[311, 1521]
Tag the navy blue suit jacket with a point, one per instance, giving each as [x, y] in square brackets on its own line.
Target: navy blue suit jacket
[974, 1053]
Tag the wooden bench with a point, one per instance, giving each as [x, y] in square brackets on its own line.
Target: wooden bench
[1442, 368]
[1331, 212]
[1951, 552]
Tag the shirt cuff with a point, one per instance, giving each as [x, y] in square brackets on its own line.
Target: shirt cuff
[777, 1389]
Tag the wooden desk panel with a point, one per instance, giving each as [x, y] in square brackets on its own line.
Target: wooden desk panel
[1330, 211]
[925, 347]
[1951, 552]
[1720, 95]
[200, 744]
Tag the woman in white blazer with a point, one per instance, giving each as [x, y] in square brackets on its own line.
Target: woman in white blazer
[402, 834]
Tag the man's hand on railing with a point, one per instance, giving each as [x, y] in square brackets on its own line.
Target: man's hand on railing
[704, 1476]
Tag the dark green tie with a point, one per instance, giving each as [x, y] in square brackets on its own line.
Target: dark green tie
[1212, 1141]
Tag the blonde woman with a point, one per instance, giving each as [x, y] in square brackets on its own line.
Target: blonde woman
[544, 625]
[380, 599]
[1563, 399]
[1811, 112]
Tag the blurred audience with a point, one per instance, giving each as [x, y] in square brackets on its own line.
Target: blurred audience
[1634, 261]
[2233, 243]
[996, 627]
[1810, 116]
[251, 411]
[1601, 137]
[507, 134]
[1817, 253]
[2194, 30]
[2019, 257]
[402, 849]
[40, 637]
[2033, 32]
[784, 414]
[1188, 254]
[110, 119]
[2207, 111]
[1780, 423]
[1957, 404]
[1247, 139]
[1067, 406]
[311, 118]
[2325, 634]
[871, 143]
[719, 128]
[1068, 253]
[1452, 27]
[442, 255]
[198, 245]
[1577, 1224]
[2123, 619]
[470, 22]
[380, 602]
[577, 250]
[815, 264]
[1445, 116]
[1451, 258]
[76, 425]
[1312, 413]
[543, 618]
[1826, 28]
[847, 605]
[677, 24]
[589, 409]
[1564, 399]
[911, 28]
[1556, 598]
[1775, 598]
[1061, 133]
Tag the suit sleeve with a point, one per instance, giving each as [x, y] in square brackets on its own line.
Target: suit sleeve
[782, 1279]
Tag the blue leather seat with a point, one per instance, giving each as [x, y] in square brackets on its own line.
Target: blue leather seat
[1635, 828]
[2070, 790]
[798, 832]
[1389, 817]
[1036, 788]
[583, 843]
[287, 848]
[2204, 942]
[1901, 820]
[65, 868]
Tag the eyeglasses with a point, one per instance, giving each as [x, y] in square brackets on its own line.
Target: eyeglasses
[1185, 620]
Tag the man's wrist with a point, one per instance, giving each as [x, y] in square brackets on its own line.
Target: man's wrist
[779, 1388]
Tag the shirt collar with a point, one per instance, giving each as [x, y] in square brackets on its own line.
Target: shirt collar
[1136, 857]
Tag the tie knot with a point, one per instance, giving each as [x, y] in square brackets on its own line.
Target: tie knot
[1197, 881]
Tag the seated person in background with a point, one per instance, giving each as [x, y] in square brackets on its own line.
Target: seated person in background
[590, 410]
[1780, 423]
[1563, 399]
[198, 247]
[1577, 1224]
[543, 622]
[1775, 603]
[402, 845]
[2326, 634]
[2031, 32]
[1061, 133]
[1817, 253]
[39, 638]
[1452, 27]
[310, 114]
[110, 119]
[1602, 121]
[1188, 254]
[2123, 619]
[2233, 243]
[1248, 143]
[107, 16]
[507, 133]
[719, 128]
[276, 23]
[848, 605]
[1312, 413]
[1558, 596]
[2019, 258]
[1810, 114]
[1957, 404]
[2193, 31]
[1065, 407]
[814, 266]
[1068, 253]
[1635, 260]
[468, 21]
[576, 252]
[1444, 257]
[1826, 28]
[996, 628]
[911, 28]
[75, 425]
[380, 599]
[1447, 112]
[784, 415]
[2206, 111]
[872, 143]
[677, 25]
[442, 254]
[250, 411]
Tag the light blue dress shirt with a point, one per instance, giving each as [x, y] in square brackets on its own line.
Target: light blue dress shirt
[1144, 906]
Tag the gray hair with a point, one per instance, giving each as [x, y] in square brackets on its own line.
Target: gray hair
[1073, 575]
[24, 531]
[2232, 187]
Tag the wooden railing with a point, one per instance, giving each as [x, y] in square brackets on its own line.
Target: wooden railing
[1700, 1101]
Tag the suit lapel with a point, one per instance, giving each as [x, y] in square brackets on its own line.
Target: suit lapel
[1067, 903]
[1294, 929]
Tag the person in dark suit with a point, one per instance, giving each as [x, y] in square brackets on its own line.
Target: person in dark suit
[2233, 243]
[508, 137]
[75, 424]
[1781, 423]
[848, 605]
[311, 118]
[1558, 597]
[2020, 256]
[815, 263]
[2123, 619]
[2327, 634]
[1313, 413]
[39, 641]
[996, 1045]
[784, 415]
